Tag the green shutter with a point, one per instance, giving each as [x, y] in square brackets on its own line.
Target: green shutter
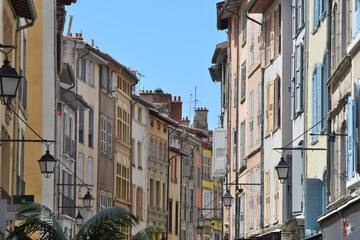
[198, 177]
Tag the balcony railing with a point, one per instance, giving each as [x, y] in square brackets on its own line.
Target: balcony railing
[5, 195]
[68, 206]
[69, 147]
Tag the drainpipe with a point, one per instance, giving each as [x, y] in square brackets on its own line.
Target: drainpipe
[32, 14]
[237, 125]
[262, 150]
[328, 122]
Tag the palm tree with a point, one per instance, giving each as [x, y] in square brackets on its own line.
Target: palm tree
[110, 224]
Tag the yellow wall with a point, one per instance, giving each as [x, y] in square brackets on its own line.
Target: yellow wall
[174, 194]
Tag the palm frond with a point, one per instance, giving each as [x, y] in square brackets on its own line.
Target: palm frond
[148, 233]
[37, 217]
[109, 224]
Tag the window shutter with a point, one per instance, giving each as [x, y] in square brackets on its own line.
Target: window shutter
[259, 115]
[320, 96]
[356, 17]
[143, 208]
[272, 38]
[263, 46]
[271, 104]
[133, 199]
[298, 86]
[78, 69]
[315, 14]
[314, 104]
[294, 25]
[207, 205]
[314, 202]
[292, 87]
[92, 73]
[350, 127]
[235, 90]
[277, 102]
[300, 15]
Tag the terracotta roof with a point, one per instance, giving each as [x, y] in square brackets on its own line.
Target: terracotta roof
[21, 8]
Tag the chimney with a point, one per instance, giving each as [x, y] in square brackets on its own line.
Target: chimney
[92, 42]
[68, 33]
[176, 110]
[78, 36]
[186, 121]
[200, 119]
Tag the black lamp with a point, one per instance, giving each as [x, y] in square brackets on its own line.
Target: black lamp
[227, 198]
[199, 230]
[9, 80]
[88, 200]
[47, 164]
[79, 219]
[282, 170]
[201, 221]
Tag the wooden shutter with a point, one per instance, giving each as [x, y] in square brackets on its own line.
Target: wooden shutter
[272, 36]
[292, 88]
[263, 46]
[267, 201]
[350, 127]
[314, 203]
[133, 210]
[276, 196]
[143, 209]
[271, 103]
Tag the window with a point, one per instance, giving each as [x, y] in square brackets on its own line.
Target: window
[356, 17]
[251, 201]
[139, 154]
[243, 81]
[103, 134]
[123, 126]
[251, 122]
[344, 26]
[259, 115]
[267, 40]
[273, 105]
[170, 215]
[243, 28]
[102, 200]
[158, 195]
[319, 8]
[297, 81]
[259, 37]
[152, 196]
[235, 90]
[139, 117]
[91, 128]
[158, 126]
[267, 200]
[133, 151]
[109, 202]
[81, 166]
[91, 74]
[206, 166]
[334, 39]
[234, 149]
[276, 196]
[177, 218]
[242, 215]
[319, 92]
[90, 171]
[242, 141]
[122, 182]
[81, 126]
[109, 138]
[164, 196]
[251, 44]
[258, 196]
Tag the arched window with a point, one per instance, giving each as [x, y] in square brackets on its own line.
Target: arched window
[156, 149]
[161, 151]
[151, 150]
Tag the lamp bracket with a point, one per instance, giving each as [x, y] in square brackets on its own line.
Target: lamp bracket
[300, 148]
[26, 140]
[11, 47]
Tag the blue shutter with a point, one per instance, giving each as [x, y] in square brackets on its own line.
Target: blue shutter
[314, 104]
[324, 89]
[292, 87]
[350, 128]
[316, 15]
[356, 17]
[298, 83]
[356, 128]
[314, 204]
[320, 96]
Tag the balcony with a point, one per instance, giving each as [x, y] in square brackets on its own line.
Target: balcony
[4, 195]
[68, 206]
[69, 147]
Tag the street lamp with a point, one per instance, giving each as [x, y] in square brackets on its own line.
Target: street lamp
[88, 200]
[227, 198]
[199, 230]
[201, 221]
[282, 170]
[47, 164]
[79, 219]
[9, 81]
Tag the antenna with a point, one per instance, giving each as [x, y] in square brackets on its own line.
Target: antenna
[139, 76]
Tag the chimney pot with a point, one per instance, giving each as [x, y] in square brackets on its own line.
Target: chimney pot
[147, 91]
[179, 99]
[187, 118]
[80, 34]
[201, 109]
[174, 98]
[70, 34]
[204, 108]
[150, 91]
[92, 42]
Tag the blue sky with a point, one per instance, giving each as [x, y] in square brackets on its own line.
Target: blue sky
[170, 42]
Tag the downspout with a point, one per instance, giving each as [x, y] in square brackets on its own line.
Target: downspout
[328, 122]
[32, 14]
[55, 102]
[262, 151]
[237, 124]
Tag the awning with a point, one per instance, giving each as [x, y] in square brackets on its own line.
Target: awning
[23, 8]
[215, 73]
[260, 6]
[73, 100]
